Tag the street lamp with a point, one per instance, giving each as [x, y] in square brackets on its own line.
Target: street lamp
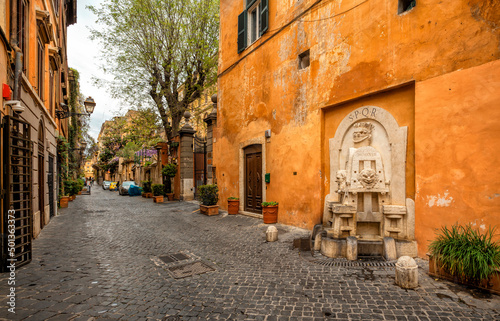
[89, 104]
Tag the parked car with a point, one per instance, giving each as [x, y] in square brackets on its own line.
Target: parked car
[105, 185]
[112, 186]
[123, 190]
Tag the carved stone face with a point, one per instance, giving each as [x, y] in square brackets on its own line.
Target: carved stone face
[368, 177]
[360, 134]
[362, 131]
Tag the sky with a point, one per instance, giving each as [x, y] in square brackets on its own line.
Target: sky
[83, 56]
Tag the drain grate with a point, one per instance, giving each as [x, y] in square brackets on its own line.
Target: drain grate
[345, 263]
[175, 257]
[183, 271]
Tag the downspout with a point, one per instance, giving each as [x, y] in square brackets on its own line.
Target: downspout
[15, 45]
[17, 73]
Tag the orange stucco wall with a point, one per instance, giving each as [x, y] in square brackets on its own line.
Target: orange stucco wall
[359, 52]
[458, 136]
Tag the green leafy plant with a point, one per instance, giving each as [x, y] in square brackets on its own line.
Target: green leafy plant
[265, 204]
[146, 186]
[169, 170]
[147, 163]
[466, 253]
[209, 194]
[232, 198]
[158, 189]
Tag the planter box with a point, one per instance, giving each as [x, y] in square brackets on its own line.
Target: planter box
[170, 196]
[233, 206]
[436, 270]
[158, 199]
[270, 214]
[147, 195]
[63, 202]
[209, 210]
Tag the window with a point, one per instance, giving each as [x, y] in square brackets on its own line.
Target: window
[304, 59]
[22, 18]
[252, 23]
[40, 71]
[56, 7]
[406, 5]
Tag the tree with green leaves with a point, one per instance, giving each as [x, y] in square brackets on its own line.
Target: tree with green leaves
[162, 50]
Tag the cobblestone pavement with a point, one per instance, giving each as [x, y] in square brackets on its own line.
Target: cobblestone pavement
[98, 259]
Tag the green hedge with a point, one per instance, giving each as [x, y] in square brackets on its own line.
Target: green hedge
[158, 189]
[209, 194]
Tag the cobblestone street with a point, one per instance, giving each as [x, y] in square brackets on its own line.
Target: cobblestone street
[98, 259]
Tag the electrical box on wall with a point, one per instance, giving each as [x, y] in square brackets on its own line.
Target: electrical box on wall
[267, 133]
[267, 177]
[6, 92]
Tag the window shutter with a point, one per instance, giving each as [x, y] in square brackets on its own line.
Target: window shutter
[250, 3]
[264, 16]
[242, 31]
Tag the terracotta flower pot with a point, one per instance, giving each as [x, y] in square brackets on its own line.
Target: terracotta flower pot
[270, 214]
[209, 210]
[436, 269]
[170, 196]
[233, 206]
[63, 202]
[158, 199]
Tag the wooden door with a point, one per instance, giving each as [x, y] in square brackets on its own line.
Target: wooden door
[253, 179]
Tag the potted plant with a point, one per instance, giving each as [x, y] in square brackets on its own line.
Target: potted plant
[146, 189]
[465, 255]
[233, 205]
[209, 196]
[170, 170]
[270, 212]
[158, 190]
[63, 201]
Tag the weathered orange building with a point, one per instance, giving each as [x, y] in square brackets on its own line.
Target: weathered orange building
[292, 72]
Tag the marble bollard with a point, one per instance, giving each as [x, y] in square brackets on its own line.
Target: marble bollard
[272, 234]
[406, 273]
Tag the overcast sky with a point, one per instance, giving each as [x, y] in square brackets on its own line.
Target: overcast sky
[82, 56]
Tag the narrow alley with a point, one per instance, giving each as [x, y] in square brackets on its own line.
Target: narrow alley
[100, 259]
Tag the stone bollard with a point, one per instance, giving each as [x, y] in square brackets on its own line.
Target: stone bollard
[406, 273]
[272, 234]
[352, 248]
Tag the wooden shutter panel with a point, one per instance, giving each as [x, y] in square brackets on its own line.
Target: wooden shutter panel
[264, 16]
[250, 3]
[242, 31]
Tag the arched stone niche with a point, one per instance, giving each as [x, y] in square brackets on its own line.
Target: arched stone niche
[367, 197]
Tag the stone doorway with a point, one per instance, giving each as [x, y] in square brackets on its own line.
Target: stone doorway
[253, 178]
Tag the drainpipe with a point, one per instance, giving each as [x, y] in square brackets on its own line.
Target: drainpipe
[15, 44]
[17, 73]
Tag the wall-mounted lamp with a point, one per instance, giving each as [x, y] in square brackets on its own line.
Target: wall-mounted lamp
[89, 104]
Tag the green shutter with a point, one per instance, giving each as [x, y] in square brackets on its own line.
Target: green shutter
[264, 16]
[250, 3]
[242, 31]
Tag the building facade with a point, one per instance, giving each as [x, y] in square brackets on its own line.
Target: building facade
[35, 84]
[372, 118]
